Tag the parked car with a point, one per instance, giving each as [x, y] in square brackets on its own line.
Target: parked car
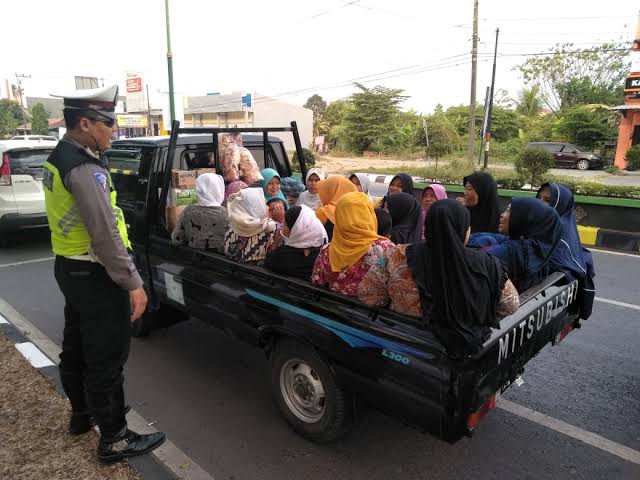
[21, 194]
[34, 137]
[567, 155]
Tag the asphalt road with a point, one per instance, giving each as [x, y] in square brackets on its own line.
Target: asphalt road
[211, 395]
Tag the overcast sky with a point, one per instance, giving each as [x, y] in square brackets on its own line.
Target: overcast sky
[285, 46]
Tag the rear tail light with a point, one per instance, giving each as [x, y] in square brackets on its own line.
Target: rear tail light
[476, 416]
[5, 171]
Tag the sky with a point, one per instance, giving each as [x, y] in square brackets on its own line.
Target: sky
[291, 49]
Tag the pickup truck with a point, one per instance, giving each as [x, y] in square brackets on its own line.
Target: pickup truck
[328, 353]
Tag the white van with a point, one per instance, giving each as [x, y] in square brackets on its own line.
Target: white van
[21, 194]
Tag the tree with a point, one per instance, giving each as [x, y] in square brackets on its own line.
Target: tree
[529, 103]
[579, 91]
[533, 163]
[10, 117]
[633, 158]
[318, 106]
[39, 120]
[504, 124]
[584, 125]
[372, 116]
[604, 66]
[443, 136]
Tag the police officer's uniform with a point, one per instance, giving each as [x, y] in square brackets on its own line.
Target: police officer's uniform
[95, 273]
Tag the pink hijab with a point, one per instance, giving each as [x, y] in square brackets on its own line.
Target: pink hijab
[441, 194]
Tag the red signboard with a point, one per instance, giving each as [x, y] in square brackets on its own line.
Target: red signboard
[134, 84]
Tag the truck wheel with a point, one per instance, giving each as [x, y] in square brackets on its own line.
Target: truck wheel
[583, 165]
[307, 395]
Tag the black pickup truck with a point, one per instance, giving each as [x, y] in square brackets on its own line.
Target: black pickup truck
[328, 352]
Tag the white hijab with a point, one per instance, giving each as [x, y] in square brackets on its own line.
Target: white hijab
[307, 232]
[248, 213]
[210, 190]
[365, 183]
[311, 200]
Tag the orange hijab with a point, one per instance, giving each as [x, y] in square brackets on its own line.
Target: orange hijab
[356, 228]
[331, 190]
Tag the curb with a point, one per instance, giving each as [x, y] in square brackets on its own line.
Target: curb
[167, 462]
[612, 239]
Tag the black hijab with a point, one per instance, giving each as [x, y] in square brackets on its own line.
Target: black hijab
[406, 216]
[484, 216]
[407, 182]
[384, 222]
[459, 287]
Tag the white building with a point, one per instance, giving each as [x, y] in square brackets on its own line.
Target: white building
[229, 111]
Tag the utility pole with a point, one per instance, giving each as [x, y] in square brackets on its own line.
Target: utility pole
[19, 78]
[474, 73]
[484, 122]
[149, 129]
[493, 83]
[172, 107]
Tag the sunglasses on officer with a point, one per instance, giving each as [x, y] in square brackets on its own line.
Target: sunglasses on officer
[109, 122]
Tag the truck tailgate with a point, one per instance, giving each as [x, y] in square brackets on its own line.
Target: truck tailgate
[546, 316]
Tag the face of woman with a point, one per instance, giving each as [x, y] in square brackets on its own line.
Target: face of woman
[470, 195]
[273, 187]
[545, 195]
[312, 183]
[428, 199]
[356, 182]
[395, 186]
[503, 228]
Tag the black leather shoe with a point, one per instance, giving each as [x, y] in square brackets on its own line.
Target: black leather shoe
[81, 423]
[131, 445]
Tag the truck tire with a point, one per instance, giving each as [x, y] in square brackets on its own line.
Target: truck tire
[307, 394]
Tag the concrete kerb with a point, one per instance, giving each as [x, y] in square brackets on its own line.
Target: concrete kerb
[611, 239]
[167, 462]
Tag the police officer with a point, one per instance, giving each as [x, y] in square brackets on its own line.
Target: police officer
[102, 288]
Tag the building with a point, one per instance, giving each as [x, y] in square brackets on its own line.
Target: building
[255, 111]
[629, 129]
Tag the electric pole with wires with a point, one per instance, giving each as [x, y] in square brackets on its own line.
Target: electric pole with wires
[493, 83]
[474, 73]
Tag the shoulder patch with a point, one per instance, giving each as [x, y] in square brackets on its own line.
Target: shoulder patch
[101, 178]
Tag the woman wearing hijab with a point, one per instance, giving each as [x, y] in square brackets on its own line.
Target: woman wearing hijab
[331, 191]
[458, 291]
[431, 193]
[530, 232]
[271, 185]
[570, 258]
[481, 198]
[233, 187]
[362, 182]
[402, 182]
[291, 188]
[251, 233]
[303, 235]
[203, 225]
[310, 196]
[355, 246]
[406, 215]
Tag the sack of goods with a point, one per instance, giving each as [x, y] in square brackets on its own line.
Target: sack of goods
[229, 149]
[249, 170]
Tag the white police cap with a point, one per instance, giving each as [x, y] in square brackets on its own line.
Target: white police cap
[100, 100]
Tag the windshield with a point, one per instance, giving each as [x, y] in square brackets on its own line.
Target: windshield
[28, 162]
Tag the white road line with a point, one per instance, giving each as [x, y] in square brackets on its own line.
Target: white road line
[620, 304]
[168, 453]
[35, 356]
[24, 262]
[3, 320]
[615, 253]
[584, 436]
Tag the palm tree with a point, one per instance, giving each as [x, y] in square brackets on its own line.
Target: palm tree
[529, 103]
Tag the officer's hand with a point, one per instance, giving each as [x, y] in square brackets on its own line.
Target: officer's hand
[138, 303]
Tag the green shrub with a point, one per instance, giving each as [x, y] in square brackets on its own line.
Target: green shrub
[633, 158]
[533, 163]
[309, 159]
[509, 150]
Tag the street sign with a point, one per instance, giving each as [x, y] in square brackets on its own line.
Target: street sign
[632, 84]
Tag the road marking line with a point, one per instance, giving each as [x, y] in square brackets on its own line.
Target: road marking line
[584, 436]
[24, 262]
[3, 320]
[35, 356]
[620, 304]
[168, 453]
[615, 253]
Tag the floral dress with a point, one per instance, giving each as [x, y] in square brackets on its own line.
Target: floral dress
[390, 283]
[347, 280]
[252, 249]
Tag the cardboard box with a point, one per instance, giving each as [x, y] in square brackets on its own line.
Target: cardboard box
[181, 197]
[183, 178]
[200, 171]
[172, 216]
